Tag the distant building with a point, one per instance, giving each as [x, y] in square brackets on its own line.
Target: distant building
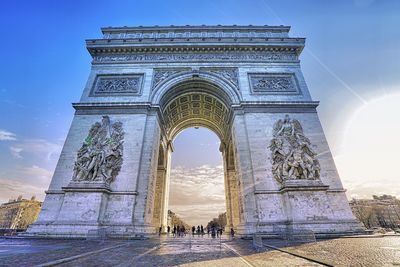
[19, 213]
[380, 211]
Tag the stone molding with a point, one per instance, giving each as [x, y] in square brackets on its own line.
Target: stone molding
[97, 108]
[65, 189]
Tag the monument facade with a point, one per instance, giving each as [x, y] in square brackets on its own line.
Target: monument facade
[149, 83]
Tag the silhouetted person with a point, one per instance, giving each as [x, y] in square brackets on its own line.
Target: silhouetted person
[159, 230]
[178, 230]
[217, 232]
[183, 230]
[232, 233]
[198, 229]
[168, 229]
[193, 230]
[174, 231]
[213, 232]
[202, 229]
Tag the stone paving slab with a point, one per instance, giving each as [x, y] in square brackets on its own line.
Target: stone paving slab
[351, 251]
[370, 251]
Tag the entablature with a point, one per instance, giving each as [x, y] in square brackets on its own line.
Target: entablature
[191, 39]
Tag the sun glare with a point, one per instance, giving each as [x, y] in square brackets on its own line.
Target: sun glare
[371, 145]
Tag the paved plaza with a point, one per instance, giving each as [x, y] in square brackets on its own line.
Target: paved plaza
[200, 251]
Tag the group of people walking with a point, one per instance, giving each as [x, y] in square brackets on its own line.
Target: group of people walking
[180, 231]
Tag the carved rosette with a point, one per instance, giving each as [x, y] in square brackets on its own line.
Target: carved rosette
[99, 159]
[291, 153]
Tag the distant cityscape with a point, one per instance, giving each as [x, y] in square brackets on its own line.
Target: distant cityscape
[380, 213]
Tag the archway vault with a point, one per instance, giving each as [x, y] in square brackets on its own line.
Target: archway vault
[196, 103]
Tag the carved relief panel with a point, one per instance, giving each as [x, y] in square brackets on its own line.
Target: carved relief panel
[273, 83]
[117, 85]
[292, 155]
[100, 157]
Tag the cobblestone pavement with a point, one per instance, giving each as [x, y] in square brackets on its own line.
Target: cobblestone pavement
[353, 251]
[198, 251]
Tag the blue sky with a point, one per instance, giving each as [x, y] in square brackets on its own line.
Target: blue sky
[352, 57]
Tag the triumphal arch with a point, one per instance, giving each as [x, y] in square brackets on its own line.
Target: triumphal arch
[149, 83]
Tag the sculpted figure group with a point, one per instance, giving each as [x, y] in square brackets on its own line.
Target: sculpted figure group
[292, 155]
[100, 157]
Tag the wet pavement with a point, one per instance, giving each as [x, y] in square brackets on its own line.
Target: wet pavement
[200, 251]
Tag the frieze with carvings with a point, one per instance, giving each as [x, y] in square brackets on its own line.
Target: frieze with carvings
[291, 153]
[117, 85]
[99, 159]
[273, 83]
[249, 56]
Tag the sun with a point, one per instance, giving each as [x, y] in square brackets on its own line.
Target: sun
[370, 153]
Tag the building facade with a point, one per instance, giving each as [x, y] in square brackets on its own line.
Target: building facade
[146, 85]
[380, 211]
[19, 213]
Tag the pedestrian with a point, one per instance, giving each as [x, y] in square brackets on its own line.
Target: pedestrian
[174, 232]
[193, 230]
[202, 230]
[217, 232]
[168, 229]
[178, 230]
[232, 233]
[159, 230]
[198, 229]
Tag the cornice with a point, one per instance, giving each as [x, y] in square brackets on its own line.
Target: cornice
[184, 28]
[123, 46]
[194, 38]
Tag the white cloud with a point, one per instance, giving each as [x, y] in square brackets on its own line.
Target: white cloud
[12, 189]
[16, 152]
[197, 194]
[41, 149]
[7, 136]
[34, 175]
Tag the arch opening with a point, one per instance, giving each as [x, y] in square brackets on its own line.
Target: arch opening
[197, 187]
[198, 103]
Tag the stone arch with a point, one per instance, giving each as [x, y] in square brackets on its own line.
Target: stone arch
[225, 88]
[196, 101]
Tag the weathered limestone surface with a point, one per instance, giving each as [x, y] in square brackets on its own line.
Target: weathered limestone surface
[238, 81]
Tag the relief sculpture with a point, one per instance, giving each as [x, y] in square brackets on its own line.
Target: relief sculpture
[292, 155]
[100, 157]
